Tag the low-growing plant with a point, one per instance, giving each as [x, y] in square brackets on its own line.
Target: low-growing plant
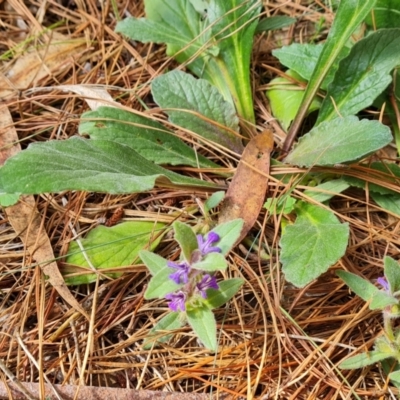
[127, 151]
[384, 298]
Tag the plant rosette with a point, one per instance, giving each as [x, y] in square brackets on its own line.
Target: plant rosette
[190, 285]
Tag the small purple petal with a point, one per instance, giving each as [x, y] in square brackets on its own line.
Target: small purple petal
[182, 273]
[176, 301]
[207, 282]
[383, 282]
[205, 246]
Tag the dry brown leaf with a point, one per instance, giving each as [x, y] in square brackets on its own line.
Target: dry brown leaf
[247, 190]
[27, 222]
[37, 63]
[94, 96]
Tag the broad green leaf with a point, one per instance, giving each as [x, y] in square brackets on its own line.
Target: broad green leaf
[363, 359]
[81, 164]
[108, 248]
[202, 321]
[213, 201]
[186, 238]
[312, 244]
[392, 273]
[274, 22]
[153, 262]
[381, 300]
[285, 98]
[169, 322]
[392, 366]
[160, 284]
[386, 14]
[200, 6]
[362, 75]
[8, 199]
[149, 138]
[395, 377]
[228, 232]
[227, 289]
[325, 191]
[185, 97]
[367, 291]
[179, 26]
[349, 16]
[302, 59]
[389, 202]
[338, 141]
[212, 262]
[284, 205]
[216, 45]
[360, 286]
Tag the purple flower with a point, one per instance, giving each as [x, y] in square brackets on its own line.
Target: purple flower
[205, 246]
[182, 273]
[207, 282]
[176, 301]
[384, 283]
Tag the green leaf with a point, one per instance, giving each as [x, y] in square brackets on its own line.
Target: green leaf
[227, 289]
[275, 22]
[312, 244]
[211, 262]
[395, 377]
[160, 284]
[233, 24]
[363, 359]
[349, 16]
[149, 138]
[389, 367]
[386, 14]
[8, 199]
[392, 273]
[325, 191]
[228, 232]
[153, 262]
[80, 164]
[362, 75]
[284, 205]
[215, 45]
[381, 300]
[169, 322]
[367, 291]
[285, 98]
[189, 97]
[202, 321]
[302, 59]
[361, 287]
[213, 201]
[389, 202]
[108, 248]
[338, 141]
[177, 26]
[186, 238]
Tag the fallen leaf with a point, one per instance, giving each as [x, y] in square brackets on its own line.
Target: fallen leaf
[95, 97]
[246, 193]
[26, 220]
[40, 60]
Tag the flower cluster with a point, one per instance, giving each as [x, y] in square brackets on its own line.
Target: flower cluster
[195, 281]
